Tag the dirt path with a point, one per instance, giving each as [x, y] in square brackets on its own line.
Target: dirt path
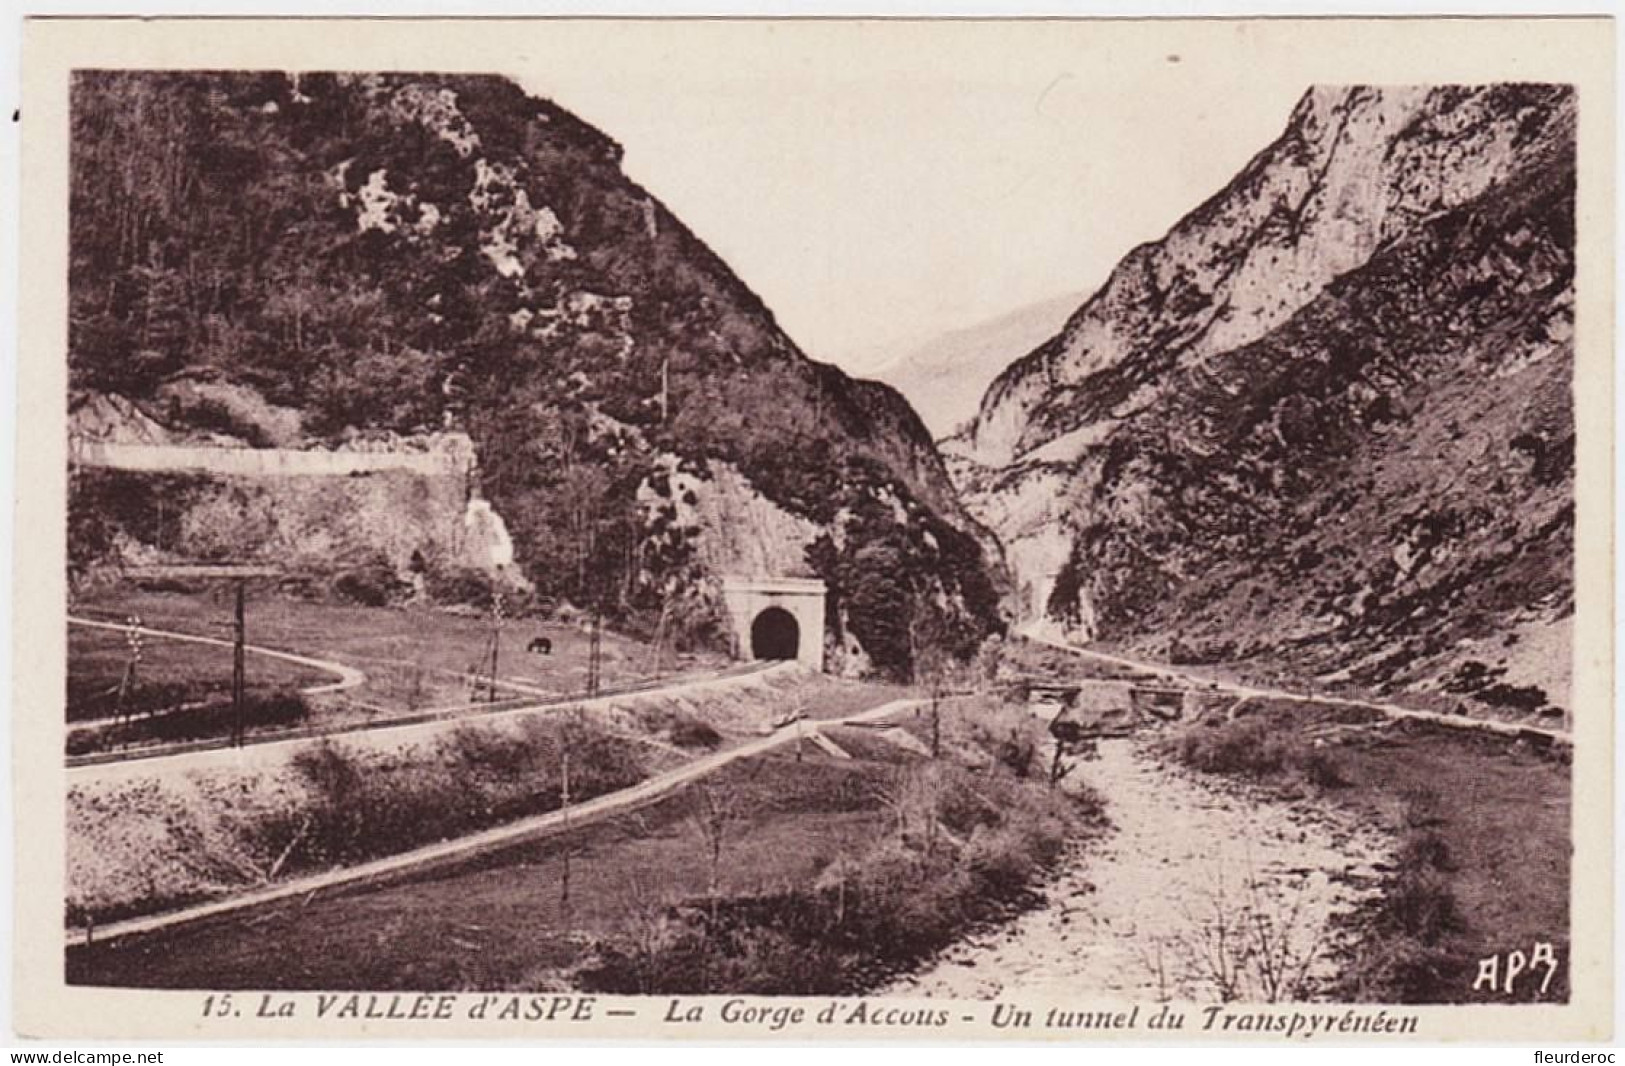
[1392, 710]
[500, 837]
[1144, 913]
[348, 676]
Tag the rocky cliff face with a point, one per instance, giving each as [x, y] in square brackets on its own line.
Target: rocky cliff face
[1327, 421]
[323, 255]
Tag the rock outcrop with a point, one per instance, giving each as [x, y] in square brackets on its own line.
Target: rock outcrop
[1326, 422]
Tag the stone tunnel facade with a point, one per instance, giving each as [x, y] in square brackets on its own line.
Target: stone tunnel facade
[776, 618]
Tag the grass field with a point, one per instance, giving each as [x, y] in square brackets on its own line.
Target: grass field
[1502, 816]
[171, 672]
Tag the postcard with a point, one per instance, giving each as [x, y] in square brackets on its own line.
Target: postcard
[816, 529]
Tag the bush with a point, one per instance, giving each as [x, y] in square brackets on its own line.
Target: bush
[1003, 867]
[459, 585]
[1253, 748]
[371, 583]
[273, 710]
[692, 733]
[365, 804]
[1245, 748]
[734, 955]
[1323, 770]
[1407, 957]
[1419, 903]
[84, 741]
[1420, 850]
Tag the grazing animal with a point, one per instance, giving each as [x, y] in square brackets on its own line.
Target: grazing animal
[541, 645]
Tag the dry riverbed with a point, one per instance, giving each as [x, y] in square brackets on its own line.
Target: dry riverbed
[1204, 889]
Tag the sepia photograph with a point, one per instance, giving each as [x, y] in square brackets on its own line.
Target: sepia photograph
[1039, 530]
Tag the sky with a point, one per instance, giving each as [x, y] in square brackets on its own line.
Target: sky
[879, 191]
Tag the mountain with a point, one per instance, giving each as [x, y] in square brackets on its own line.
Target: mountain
[305, 260]
[1326, 423]
[945, 377]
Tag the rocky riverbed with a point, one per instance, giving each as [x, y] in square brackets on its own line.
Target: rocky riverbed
[1204, 889]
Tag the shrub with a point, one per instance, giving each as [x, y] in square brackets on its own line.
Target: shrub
[142, 698]
[482, 749]
[735, 954]
[1002, 866]
[1407, 957]
[274, 709]
[1253, 748]
[1246, 748]
[1420, 850]
[1323, 770]
[459, 585]
[689, 732]
[964, 811]
[1419, 903]
[84, 741]
[364, 804]
[371, 583]
[1017, 753]
[1400, 970]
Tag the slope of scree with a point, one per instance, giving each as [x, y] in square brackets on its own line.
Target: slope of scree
[413, 253]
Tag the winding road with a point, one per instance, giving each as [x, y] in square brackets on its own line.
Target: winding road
[348, 676]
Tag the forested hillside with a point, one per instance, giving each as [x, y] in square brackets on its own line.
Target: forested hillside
[324, 255]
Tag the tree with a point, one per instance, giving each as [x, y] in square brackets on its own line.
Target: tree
[717, 808]
[930, 661]
[914, 797]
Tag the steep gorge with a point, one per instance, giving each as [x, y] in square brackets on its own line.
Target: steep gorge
[1326, 424]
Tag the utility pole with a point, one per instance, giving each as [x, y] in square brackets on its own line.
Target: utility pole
[595, 651]
[132, 640]
[496, 644]
[564, 804]
[239, 639]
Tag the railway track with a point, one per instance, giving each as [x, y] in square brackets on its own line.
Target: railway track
[486, 841]
[349, 678]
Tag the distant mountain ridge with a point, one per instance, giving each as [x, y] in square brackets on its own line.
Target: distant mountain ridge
[944, 378]
[1327, 421]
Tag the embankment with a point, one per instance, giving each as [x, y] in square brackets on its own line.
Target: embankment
[153, 834]
[787, 869]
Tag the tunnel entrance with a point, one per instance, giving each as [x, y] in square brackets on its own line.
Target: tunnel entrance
[775, 635]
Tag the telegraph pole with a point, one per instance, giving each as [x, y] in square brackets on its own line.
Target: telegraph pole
[239, 639]
[564, 805]
[496, 643]
[595, 652]
[126, 686]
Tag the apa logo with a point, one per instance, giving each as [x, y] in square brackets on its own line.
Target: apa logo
[1503, 976]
